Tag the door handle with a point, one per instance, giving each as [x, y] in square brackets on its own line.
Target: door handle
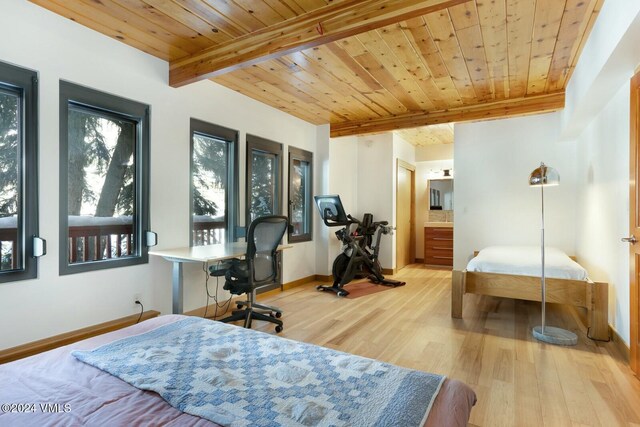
[631, 239]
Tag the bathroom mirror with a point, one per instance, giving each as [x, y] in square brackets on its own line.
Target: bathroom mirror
[441, 194]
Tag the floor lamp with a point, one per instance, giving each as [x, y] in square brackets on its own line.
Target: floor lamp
[545, 176]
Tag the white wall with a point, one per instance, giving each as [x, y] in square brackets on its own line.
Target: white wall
[493, 203]
[597, 116]
[343, 180]
[603, 204]
[376, 186]
[609, 57]
[60, 49]
[321, 186]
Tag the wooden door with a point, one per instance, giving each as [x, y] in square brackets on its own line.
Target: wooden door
[405, 214]
[634, 223]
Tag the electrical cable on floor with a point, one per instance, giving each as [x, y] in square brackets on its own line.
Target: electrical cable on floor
[141, 311]
[205, 268]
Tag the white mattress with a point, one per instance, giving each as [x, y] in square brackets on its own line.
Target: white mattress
[526, 261]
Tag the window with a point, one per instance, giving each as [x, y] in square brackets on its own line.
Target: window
[213, 183]
[300, 189]
[264, 178]
[104, 207]
[18, 172]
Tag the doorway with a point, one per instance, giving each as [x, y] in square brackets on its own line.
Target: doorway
[405, 214]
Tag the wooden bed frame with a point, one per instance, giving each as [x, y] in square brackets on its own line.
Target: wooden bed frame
[594, 296]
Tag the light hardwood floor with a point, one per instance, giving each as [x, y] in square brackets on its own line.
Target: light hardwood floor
[518, 380]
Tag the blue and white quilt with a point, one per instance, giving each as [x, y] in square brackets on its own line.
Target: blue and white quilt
[240, 377]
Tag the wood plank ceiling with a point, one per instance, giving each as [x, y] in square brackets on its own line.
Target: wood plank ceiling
[428, 135]
[464, 60]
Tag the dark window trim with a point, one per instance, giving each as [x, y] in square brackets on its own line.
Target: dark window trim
[267, 146]
[108, 104]
[232, 137]
[306, 156]
[25, 83]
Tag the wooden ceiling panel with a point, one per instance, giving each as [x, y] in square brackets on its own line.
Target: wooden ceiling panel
[428, 135]
[404, 63]
[493, 29]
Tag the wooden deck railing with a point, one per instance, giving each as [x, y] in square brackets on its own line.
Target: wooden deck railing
[208, 232]
[8, 246]
[98, 242]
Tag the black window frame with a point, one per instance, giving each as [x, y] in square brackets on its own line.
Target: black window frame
[231, 136]
[305, 156]
[24, 82]
[119, 107]
[266, 146]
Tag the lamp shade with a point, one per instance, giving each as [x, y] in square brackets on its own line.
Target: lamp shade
[544, 176]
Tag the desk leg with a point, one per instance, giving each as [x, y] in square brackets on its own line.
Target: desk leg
[177, 287]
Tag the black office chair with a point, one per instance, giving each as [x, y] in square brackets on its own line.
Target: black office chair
[258, 268]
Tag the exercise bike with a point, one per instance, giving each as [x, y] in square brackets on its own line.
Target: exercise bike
[359, 257]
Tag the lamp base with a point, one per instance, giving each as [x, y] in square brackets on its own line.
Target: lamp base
[554, 335]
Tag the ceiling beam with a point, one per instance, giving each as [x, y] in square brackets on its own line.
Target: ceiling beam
[491, 110]
[327, 24]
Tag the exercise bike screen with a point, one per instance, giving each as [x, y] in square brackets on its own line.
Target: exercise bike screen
[331, 210]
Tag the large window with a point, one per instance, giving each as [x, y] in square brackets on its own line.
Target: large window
[18, 172]
[300, 189]
[213, 183]
[264, 178]
[104, 146]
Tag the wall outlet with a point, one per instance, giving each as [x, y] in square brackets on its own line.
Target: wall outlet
[137, 297]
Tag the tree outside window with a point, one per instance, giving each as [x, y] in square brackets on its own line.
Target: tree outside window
[300, 192]
[104, 180]
[213, 183]
[18, 172]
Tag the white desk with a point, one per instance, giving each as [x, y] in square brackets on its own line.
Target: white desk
[204, 254]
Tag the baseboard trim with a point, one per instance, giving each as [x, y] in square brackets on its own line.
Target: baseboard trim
[323, 278]
[419, 261]
[620, 345]
[35, 347]
[299, 282]
[389, 271]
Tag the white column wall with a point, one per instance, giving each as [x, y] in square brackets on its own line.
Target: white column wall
[376, 187]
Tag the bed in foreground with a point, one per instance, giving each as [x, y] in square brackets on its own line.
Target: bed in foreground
[76, 393]
[514, 272]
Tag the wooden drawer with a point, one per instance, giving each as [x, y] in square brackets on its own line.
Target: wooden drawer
[441, 252]
[438, 246]
[439, 260]
[438, 232]
[438, 243]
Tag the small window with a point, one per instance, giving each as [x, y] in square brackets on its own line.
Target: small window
[213, 183]
[104, 146]
[264, 178]
[18, 172]
[300, 189]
